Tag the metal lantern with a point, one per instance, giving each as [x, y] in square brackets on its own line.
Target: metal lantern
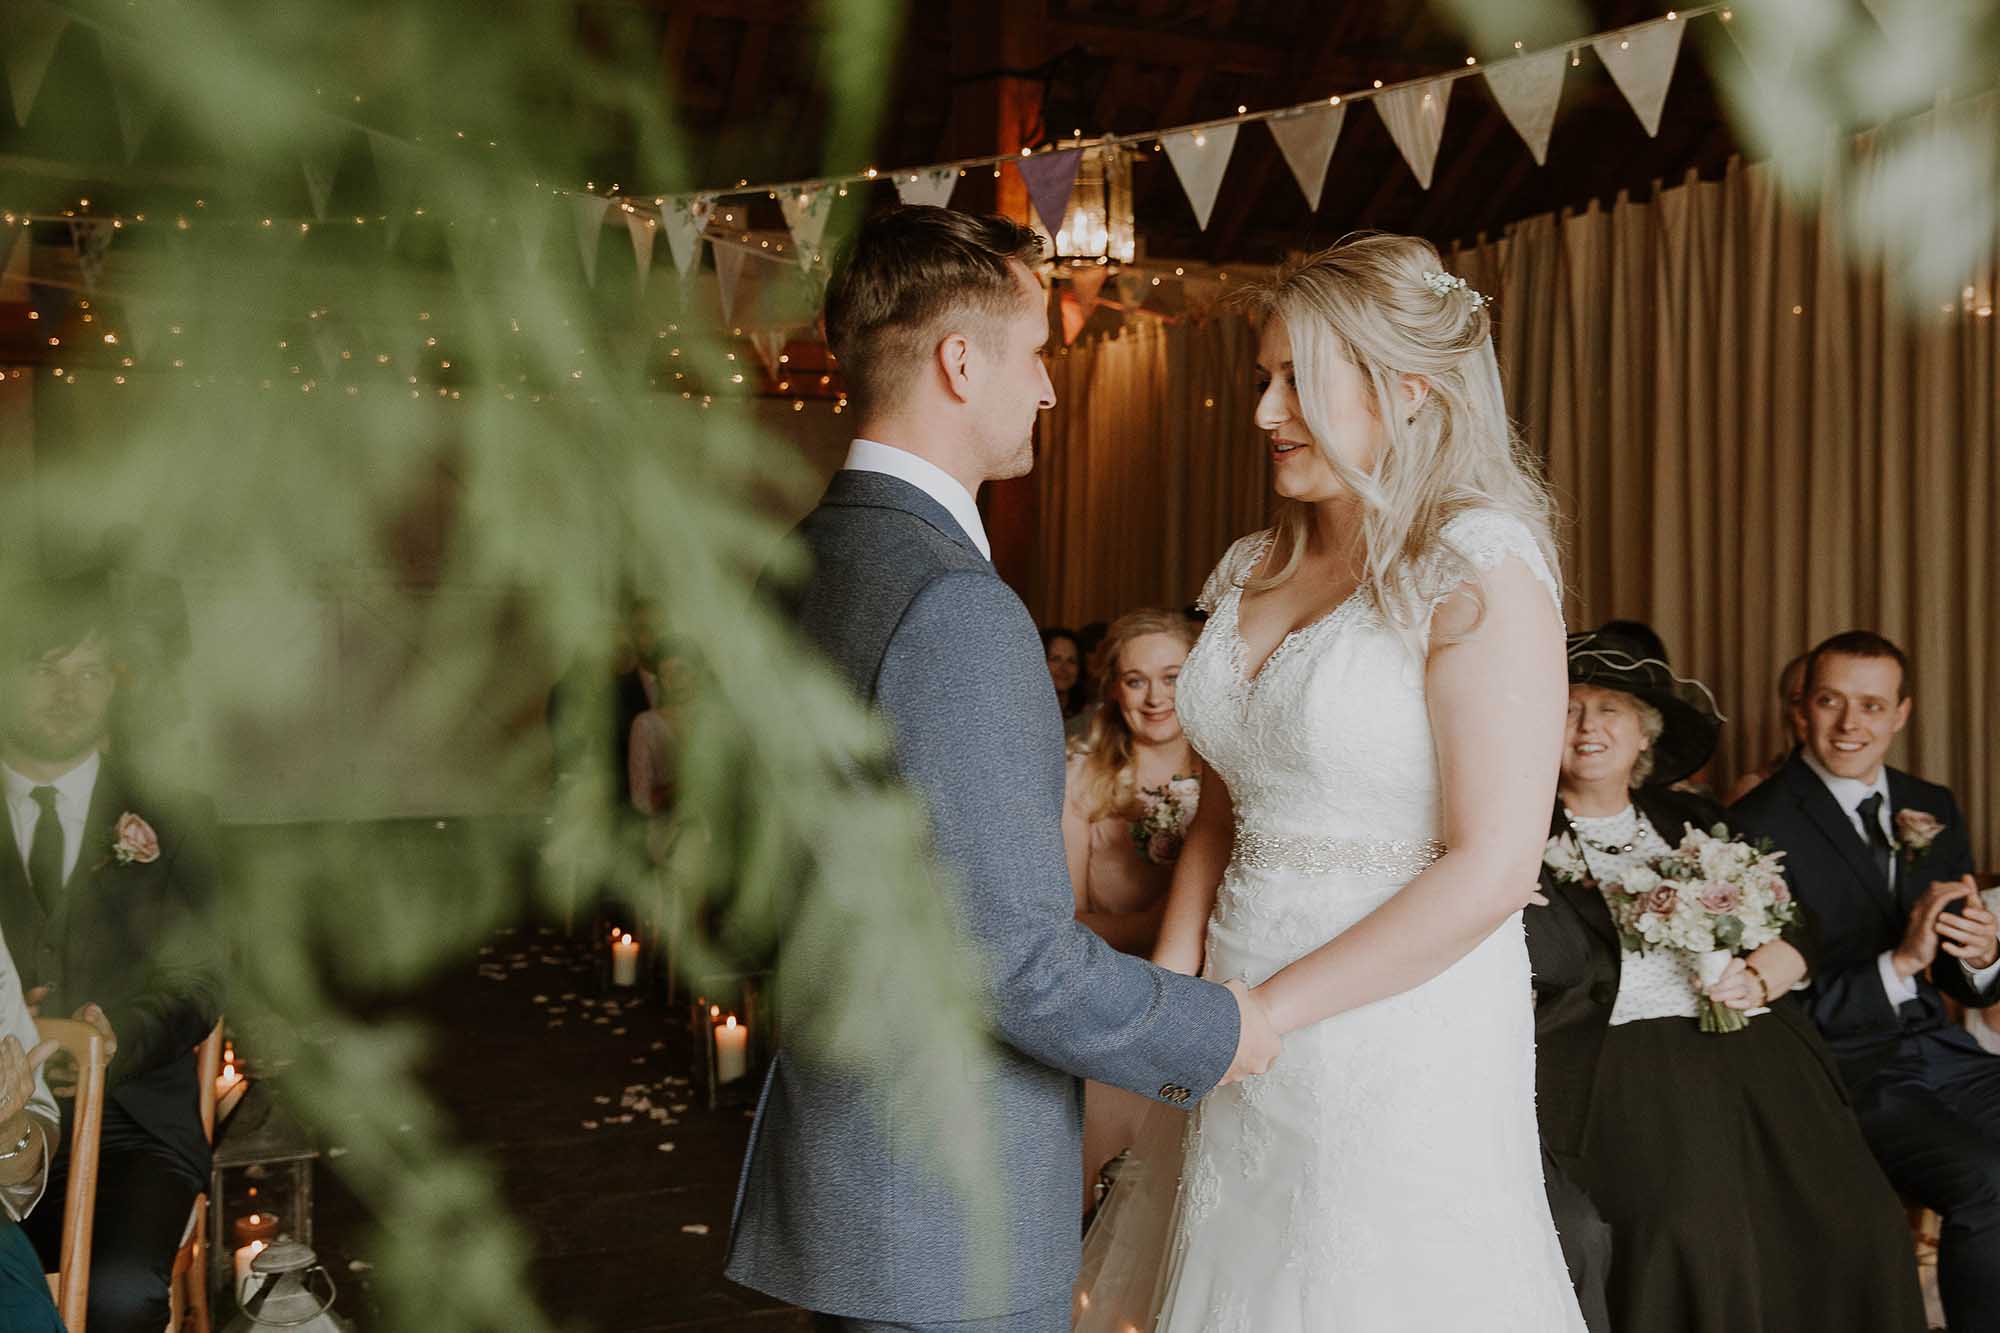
[1098, 224]
[288, 1288]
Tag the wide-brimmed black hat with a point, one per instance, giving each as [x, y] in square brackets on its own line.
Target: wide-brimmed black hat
[1612, 660]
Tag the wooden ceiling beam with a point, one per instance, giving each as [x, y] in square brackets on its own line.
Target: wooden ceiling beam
[746, 85]
[1150, 46]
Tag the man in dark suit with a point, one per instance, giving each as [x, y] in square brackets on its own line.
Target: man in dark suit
[1882, 860]
[103, 892]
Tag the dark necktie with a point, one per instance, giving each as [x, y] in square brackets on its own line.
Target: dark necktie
[45, 853]
[1870, 811]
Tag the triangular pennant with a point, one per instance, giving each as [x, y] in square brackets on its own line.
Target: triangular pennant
[14, 271]
[29, 31]
[644, 229]
[1642, 65]
[730, 256]
[1415, 117]
[685, 219]
[588, 213]
[1050, 177]
[1528, 89]
[91, 238]
[134, 93]
[1199, 158]
[931, 187]
[531, 220]
[397, 172]
[1087, 282]
[806, 212]
[1074, 317]
[1306, 139]
[319, 163]
[769, 345]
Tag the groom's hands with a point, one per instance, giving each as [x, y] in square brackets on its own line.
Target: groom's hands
[1257, 1041]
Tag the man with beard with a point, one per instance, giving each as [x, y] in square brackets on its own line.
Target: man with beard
[103, 895]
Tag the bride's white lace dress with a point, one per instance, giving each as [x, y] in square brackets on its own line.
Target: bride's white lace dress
[1385, 1175]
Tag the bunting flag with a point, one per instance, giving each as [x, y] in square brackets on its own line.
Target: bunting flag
[14, 271]
[1415, 117]
[531, 219]
[1528, 89]
[730, 257]
[806, 213]
[1642, 65]
[1087, 282]
[769, 345]
[319, 163]
[644, 230]
[397, 171]
[1307, 140]
[1200, 157]
[1074, 316]
[91, 238]
[685, 218]
[588, 214]
[136, 96]
[1050, 177]
[29, 32]
[932, 187]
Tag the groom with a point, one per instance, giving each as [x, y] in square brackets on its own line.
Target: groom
[939, 325]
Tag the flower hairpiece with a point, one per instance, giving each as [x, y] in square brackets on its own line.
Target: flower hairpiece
[1444, 284]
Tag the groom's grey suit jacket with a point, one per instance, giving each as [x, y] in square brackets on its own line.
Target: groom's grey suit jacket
[837, 1211]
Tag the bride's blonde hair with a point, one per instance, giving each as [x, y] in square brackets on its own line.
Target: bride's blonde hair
[1368, 299]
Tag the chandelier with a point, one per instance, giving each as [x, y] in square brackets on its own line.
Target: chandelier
[1098, 224]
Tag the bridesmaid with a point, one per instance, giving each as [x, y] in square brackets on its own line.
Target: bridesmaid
[1739, 1190]
[1131, 789]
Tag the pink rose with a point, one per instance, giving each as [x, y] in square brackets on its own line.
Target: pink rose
[1163, 848]
[1781, 892]
[135, 841]
[1916, 830]
[1720, 899]
[1662, 901]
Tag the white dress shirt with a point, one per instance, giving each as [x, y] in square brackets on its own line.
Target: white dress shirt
[1848, 794]
[926, 476]
[72, 804]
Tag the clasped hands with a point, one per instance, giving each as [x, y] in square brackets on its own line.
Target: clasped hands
[1257, 1043]
[62, 1075]
[1970, 933]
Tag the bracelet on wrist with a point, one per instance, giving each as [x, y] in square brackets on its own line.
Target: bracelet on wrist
[1762, 985]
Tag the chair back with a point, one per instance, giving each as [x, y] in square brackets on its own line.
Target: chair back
[92, 1051]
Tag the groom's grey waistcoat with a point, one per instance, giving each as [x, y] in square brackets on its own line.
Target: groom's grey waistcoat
[837, 1211]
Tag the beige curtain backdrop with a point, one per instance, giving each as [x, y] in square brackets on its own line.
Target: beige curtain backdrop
[1149, 467]
[1753, 445]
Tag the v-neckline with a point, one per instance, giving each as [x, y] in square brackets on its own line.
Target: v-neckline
[1246, 678]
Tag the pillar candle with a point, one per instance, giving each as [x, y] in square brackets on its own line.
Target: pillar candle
[624, 961]
[732, 1051]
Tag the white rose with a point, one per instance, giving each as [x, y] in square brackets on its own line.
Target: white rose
[1639, 880]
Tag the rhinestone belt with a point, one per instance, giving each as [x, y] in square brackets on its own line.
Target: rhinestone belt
[1308, 855]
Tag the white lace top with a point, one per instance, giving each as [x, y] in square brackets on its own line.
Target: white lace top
[1659, 984]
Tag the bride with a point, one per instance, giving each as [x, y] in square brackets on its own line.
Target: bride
[1379, 697]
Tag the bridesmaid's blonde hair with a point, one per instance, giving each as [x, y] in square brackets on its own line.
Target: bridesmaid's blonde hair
[1385, 305]
[1110, 769]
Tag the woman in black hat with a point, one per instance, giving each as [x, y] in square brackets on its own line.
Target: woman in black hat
[1739, 1191]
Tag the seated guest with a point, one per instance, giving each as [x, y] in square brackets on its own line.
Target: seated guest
[1882, 860]
[1065, 658]
[1791, 697]
[1131, 790]
[29, 1124]
[653, 754]
[1739, 1191]
[102, 888]
[1090, 642]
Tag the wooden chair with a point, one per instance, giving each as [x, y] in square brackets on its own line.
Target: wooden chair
[187, 1289]
[92, 1051]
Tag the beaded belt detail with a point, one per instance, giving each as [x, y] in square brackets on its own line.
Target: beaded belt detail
[1308, 855]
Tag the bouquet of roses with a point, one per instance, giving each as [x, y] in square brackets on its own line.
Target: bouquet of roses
[1161, 825]
[1710, 898]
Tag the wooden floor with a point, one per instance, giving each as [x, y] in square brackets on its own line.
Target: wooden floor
[534, 1058]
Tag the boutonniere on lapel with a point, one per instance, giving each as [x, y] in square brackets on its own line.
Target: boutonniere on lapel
[134, 842]
[1915, 832]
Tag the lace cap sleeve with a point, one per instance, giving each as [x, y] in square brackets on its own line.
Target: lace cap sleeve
[1235, 566]
[1477, 540]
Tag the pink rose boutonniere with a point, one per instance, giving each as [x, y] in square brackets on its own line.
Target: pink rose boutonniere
[135, 843]
[1915, 832]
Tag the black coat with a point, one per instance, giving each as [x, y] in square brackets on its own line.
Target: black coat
[138, 941]
[1574, 953]
[1832, 873]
